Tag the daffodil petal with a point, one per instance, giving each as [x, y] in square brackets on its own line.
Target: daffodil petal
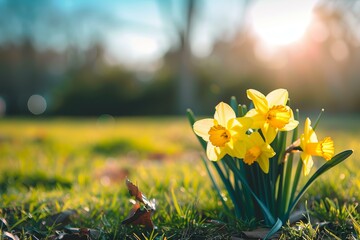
[277, 97]
[269, 132]
[309, 133]
[223, 113]
[259, 100]
[258, 119]
[211, 152]
[302, 141]
[238, 150]
[308, 163]
[240, 125]
[269, 152]
[307, 128]
[256, 138]
[292, 123]
[202, 127]
[290, 126]
[313, 138]
[263, 162]
[221, 152]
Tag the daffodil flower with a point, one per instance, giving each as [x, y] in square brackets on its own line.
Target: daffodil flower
[271, 113]
[258, 150]
[224, 133]
[312, 147]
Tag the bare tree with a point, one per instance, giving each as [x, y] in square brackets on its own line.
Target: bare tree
[181, 30]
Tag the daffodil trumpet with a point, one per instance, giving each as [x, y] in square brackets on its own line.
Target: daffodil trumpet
[247, 149]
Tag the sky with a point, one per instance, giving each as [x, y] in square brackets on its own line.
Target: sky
[136, 32]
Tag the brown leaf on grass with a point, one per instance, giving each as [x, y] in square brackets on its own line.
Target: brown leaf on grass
[135, 192]
[138, 216]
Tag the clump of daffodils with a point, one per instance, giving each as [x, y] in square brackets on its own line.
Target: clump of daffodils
[248, 150]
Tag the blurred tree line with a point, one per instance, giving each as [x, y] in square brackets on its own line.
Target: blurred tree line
[80, 81]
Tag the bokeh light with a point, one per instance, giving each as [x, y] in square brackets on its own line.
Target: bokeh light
[2, 107]
[37, 104]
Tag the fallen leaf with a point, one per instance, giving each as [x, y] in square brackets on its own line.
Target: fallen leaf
[88, 232]
[139, 215]
[135, 192]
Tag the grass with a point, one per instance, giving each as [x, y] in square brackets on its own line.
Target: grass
[63, 177]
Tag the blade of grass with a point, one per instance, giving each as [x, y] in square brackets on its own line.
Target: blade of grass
[176, 204]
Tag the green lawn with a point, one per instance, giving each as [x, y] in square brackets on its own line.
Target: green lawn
[52, 166]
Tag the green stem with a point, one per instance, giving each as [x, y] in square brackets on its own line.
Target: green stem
[269, 219]
[247, 198]
[287, 184]
[296, 180]
[215, 185]
[324, 168]
[229, 189]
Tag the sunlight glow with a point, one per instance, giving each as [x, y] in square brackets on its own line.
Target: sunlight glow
[281, 22]
[135, 48]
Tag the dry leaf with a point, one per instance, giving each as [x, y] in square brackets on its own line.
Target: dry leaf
[135, 192]
[138, 215]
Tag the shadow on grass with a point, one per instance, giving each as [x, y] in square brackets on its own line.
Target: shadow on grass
[112, 147]
[34, 180]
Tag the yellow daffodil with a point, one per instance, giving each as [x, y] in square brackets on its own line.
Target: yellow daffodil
[224, 133]
[312, 147]
[271, 113]
[258, 150]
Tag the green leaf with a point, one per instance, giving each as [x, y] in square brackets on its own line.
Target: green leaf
[234, 105]
[205, 161]
[318, 119]
[328, 165]
[191, 119]
[240, 177]
[276, 227]
[229, 188]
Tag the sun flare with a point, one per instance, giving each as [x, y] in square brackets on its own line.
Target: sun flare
[281, 22]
